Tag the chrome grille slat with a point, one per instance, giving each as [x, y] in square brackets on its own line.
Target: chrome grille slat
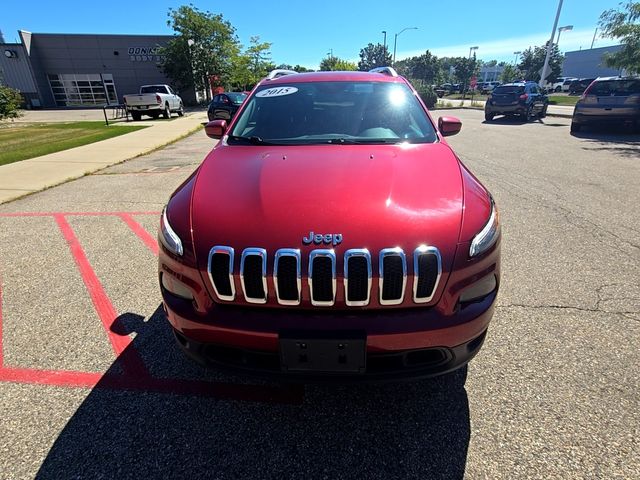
[392, 280]
[323, 276]
[282, 278]
[222, 284]
[425, 277]
[253, 276]
[354, 287]
[357, 279]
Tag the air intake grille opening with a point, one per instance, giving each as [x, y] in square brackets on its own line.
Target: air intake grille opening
[252, 277]
[219, 268]
[287, 278]
[358, 285]
[427, 272]
[393, 277]
[322, 279]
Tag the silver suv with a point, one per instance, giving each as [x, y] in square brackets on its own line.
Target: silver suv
[609, 100]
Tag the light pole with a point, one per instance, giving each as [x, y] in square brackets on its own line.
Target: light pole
[515, 60]
[472, 49]
[566, 28]
[384, 41]
[395, 41]
[545, 68]
[464, 87]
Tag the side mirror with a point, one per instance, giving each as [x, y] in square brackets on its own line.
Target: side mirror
[216, 128]
[449, 126]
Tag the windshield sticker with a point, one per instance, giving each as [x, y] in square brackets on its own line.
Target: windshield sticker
[276, 92]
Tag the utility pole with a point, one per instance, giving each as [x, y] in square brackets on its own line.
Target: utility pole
[594, 37]
[545, 68]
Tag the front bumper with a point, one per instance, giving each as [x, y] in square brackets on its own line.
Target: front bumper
[400, 343]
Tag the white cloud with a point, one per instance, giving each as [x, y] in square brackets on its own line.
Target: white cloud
[503, 49]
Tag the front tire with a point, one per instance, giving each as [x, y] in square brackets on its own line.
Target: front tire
[528, 114]
[489, 116]
[558, 89]
[181, 110]
[167, 112]
[575, 127]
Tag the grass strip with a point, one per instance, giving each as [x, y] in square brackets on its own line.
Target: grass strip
[35, 140]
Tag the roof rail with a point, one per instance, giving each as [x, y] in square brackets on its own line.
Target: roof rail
[385, 71]
[279, 72]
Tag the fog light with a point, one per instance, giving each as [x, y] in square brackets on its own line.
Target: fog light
[176, 287]
[481, 288]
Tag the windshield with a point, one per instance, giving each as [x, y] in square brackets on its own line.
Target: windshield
[333, 112]
[237, 98]
[508, 90]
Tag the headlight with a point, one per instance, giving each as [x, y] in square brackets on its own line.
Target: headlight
[488, 235]
[168, 237]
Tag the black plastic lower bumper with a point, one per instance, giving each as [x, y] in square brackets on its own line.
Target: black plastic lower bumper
[380, 367]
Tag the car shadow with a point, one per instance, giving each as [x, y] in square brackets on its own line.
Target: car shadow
[623, 141]
[510, 120]
[417, 429]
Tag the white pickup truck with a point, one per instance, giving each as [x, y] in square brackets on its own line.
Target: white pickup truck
[154, 100]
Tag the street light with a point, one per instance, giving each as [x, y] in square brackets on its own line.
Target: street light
[395, 41]
[517, 54]
[384, 41]
[566, 28]
[472, 49]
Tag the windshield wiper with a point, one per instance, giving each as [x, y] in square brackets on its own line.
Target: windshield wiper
[252, 140]
[363, 141]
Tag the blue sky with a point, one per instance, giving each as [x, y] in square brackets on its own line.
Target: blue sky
[304, 32]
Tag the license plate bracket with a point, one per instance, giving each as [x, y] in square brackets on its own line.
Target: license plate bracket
[326, 352]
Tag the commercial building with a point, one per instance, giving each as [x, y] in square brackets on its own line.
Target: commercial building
[590, 63]
[79, 70]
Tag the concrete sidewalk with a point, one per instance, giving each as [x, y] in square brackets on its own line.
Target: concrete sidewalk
[27, 176]
[565, 111]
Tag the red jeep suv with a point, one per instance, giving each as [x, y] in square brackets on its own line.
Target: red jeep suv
[331, 233]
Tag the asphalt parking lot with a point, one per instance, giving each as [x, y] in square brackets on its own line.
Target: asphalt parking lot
[92, 386]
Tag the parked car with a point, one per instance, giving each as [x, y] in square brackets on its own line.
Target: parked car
[567, 83]
[525, 99]
[487, 87]
[608, 100]
[557, 85]
[577, 87]
[154, 100]
[331, 233]
[225, 105]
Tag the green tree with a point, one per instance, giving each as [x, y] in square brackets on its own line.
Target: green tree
[204, 45]
[424, 68]
[10, 102]
[465, 68]
[373, 56]
[336, 64]
[625, 26]
[259, 55]
[509, 74]
[532, 61]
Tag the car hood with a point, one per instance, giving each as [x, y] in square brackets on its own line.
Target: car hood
[374, 196]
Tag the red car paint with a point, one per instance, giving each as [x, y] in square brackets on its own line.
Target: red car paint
[376, 197]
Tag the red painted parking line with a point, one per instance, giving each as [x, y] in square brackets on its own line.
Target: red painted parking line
[1, 337]
[142, 234]
[135, 375]
[132, 363]
[75, 214]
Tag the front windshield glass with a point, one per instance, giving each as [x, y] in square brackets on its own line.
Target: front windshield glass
[333, 112]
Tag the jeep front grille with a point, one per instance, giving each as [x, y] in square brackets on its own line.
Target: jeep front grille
[322, 279]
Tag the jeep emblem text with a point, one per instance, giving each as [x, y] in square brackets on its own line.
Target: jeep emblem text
[318, 238]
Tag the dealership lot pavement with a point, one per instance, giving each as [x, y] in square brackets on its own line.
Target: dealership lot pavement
[92, 386]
